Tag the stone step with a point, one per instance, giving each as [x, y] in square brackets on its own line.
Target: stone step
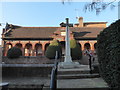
[78, 76]
[82, 84]
[102, 88]
[73, 72]
[82, 69]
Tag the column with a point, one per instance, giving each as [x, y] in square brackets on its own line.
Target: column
[23, 49]
[43, 49]
[33, 50]
[92, 45]
[82, 45]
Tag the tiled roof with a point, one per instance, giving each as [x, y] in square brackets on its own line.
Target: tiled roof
[31, 32]
[92, 23]
[86, 32]
[47, 32]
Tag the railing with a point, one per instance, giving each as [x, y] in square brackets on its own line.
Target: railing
[53, 82]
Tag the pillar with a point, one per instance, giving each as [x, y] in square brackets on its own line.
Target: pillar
[43, 49]
[33, 49]
[23, 49]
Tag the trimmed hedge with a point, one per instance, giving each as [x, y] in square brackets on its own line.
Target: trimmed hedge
[14, 52]
[52, 48]
[76, 52]
[108, 49]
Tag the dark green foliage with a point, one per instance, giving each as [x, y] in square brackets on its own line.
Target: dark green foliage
[52, 48]
[108, 48]
[14, 52]
[76, 52]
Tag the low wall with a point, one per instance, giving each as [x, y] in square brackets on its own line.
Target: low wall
[26, 70]
[27, 60]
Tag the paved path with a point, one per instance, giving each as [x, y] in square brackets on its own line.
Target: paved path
[82, 83]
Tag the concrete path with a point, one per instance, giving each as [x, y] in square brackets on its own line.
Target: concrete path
[82, 83]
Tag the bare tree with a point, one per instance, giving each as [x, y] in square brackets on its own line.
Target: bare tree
[97, 5]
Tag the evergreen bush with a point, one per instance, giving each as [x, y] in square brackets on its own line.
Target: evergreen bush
[76, 52]
[52, 48]
[108, 49]
[14, 52]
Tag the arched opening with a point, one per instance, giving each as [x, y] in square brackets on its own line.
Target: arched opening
[28, 49]
[63, 47]
[18, 45]
[95, 45]
[7, 47]
[38, 49]
[80, 46]
[46, 46]
[87, 46]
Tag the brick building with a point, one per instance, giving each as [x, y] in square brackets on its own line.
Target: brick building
[34, 41]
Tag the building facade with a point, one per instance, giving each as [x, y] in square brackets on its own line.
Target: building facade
[33, 41]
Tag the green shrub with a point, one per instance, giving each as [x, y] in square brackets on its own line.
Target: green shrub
[76, 52]
[14, 52]
[108, 49]
[52, 48]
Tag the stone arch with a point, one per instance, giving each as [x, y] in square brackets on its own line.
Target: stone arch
[87, 46]
[7, 47]
[38, 49]
[28, 49]
[63, 47]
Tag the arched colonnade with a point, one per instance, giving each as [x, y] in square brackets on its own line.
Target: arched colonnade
[38, 49]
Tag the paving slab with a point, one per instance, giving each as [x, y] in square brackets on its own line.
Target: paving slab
[82, 83]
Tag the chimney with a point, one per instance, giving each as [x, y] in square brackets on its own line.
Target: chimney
[80, 20]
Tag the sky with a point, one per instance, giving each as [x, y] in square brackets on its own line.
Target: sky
[50, 14]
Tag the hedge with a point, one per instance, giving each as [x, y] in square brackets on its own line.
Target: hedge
[108, 49]
[14, 52]
[52, 48]
[76, 52]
